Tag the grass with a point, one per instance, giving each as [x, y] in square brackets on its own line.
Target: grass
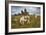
[34, 22]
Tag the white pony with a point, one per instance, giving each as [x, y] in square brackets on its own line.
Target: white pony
[24, 19]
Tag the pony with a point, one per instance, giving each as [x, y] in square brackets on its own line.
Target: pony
[24, 19]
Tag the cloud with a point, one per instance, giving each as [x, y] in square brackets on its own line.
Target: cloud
[17, 9]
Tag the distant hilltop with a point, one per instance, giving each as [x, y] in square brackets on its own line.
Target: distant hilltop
[23, 12]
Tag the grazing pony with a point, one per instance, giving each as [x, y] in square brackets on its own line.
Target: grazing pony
[24, 19]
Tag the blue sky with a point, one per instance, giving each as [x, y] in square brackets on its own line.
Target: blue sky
[17, 9]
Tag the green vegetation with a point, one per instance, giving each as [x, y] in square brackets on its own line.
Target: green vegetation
[34, 22]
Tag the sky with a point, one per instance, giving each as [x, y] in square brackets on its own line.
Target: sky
[31, 10]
